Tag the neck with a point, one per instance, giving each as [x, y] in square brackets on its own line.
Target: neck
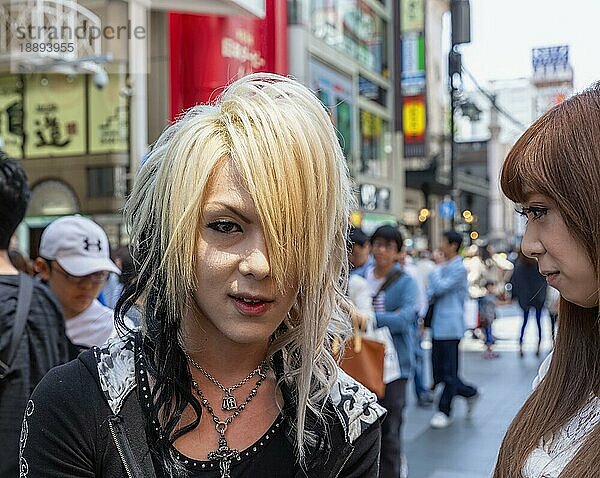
[451, 256]
[382, 271]
[226, 361]
[6, 267]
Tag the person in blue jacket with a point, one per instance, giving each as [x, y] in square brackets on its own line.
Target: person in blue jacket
[448, 289]
[395, 295]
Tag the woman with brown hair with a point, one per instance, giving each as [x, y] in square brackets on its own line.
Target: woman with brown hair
[553, 172]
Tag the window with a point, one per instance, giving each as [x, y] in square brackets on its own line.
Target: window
[101, 182]
[374, 152]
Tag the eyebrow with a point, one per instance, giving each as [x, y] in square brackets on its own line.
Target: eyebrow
[231, 209]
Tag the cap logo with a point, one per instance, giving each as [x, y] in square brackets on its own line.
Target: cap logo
[89, 244]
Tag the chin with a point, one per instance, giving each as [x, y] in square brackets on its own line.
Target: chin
[243, 336]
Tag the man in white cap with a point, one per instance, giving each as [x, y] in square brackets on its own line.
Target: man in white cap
[75, 262]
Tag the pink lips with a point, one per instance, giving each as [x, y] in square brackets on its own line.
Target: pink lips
[251, 307]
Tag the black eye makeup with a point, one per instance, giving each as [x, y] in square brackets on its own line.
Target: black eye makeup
[224, 227]
[532, 212]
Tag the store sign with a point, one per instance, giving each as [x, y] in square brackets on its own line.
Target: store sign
[412, 15]
[551, 66]
[108, 117]
[413, 119]
[209, 51]
[54, 115]
[11, 115]
[413, 77]
[353, 27]
[413, 64]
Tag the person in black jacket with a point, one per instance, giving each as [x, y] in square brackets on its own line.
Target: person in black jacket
[238, 224]
[40, 343]
[529, 289]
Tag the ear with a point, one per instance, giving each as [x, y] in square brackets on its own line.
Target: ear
[42, 267]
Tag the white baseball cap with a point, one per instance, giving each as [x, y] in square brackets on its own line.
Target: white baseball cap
[78, 244]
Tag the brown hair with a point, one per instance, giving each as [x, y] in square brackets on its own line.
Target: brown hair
[559, 157]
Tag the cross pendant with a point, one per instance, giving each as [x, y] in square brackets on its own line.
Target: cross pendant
[229, 402]
[224, 455]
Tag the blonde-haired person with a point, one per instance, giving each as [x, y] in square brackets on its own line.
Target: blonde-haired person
[238, 225]
[553, 172]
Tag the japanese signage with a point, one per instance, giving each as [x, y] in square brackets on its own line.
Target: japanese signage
[108, 117]
[55, 115]
[413, 63]
[11, 115]
[551, 66]
[412, 77]
[353, 27]
[209, 51]
[412, 15]
[413, 118]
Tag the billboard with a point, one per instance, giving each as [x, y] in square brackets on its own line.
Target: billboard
[413, 110]
[551, 66]
[210, 51]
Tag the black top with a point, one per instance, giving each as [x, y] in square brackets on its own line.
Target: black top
[271, 455]
[43, 345]
[86, 420]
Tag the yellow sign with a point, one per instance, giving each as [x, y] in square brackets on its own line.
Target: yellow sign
[412, 16]
[54, 115]
[11, 115]
[413, 117]
[108, 117]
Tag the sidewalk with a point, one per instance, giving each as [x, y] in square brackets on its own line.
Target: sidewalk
[468, 447]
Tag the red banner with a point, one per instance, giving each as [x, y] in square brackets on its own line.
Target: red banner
[208, 52]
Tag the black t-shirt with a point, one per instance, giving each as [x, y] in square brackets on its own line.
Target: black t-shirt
[271, 455]
[43, 345]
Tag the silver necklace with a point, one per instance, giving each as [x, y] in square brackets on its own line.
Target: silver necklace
[223, 454]
[228, 403]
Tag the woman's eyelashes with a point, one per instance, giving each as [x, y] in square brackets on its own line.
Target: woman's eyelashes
[532, 212]
[225, 227]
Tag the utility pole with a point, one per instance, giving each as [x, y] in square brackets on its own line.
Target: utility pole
[460, 11]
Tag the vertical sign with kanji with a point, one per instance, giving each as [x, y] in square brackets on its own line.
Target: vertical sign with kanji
[413, 77]
[108, 117]
[54, 115]
[11, 115]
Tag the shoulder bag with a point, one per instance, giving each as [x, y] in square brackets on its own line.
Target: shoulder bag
[23, 304]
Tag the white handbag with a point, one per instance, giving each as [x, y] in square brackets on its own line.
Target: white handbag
[391, 365]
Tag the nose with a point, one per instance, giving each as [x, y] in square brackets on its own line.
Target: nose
[256, 262]
[531, 245]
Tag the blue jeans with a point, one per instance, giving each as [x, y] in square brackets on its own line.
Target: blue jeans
[489, 337]
[538, 319]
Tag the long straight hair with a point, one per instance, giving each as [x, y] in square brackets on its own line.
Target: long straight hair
[559, 157]
[281, 140]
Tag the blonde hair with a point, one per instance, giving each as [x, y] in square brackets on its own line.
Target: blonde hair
[282, 142]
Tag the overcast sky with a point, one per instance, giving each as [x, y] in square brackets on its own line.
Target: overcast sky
[503, 32]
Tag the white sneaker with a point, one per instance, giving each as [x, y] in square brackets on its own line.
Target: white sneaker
[471, 402]
[440, 420]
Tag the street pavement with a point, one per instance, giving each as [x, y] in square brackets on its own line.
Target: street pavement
[469, 446]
